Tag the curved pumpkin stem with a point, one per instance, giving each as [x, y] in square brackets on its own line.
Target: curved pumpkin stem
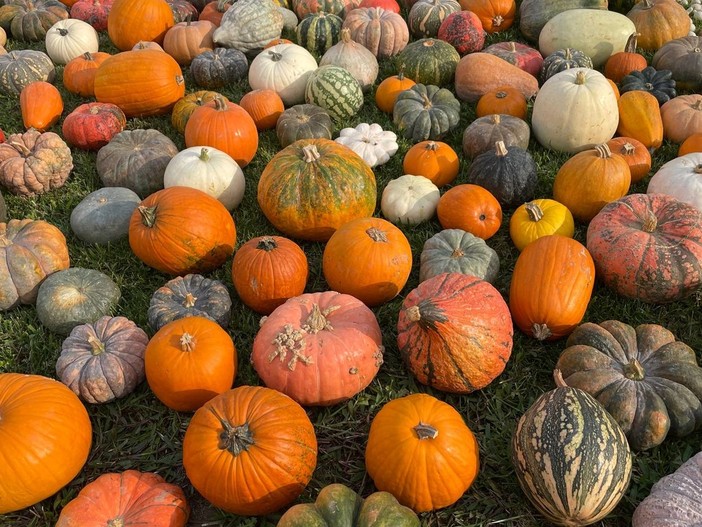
[541, 331]
[317, 319]
[603, 151]
[634, 370]
[275, 56]
[497, 20]
[558, 378]
[96, 344]
[219, 103]
[189, 300]
[432, 145]
[346, 35]
[631, 42]
[21, 147]
[628, 149]
[148, 215]
[534, 212]
[425, 431]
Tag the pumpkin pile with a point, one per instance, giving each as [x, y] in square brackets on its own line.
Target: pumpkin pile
[345, 249]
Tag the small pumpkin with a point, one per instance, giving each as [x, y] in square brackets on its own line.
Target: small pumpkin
[482, 134]
[622, 63]
[41, 105]
[471, 208]
[219, 67]
[659, 83]
[79, 73]
[303, 121]
[264, 107]
[184, 108]
[388, 90]
[92, 125]
[561, 60]
[691, 144]
[371, 142]
[94, 12]
[435, 160]
[458, 251]
[426, 112]
[409, 199]
[495, 15]
[635, 153]
[214, 11]
[502, 100]
[103, 215]
[537, 218]
[70, 38]
[318, 32]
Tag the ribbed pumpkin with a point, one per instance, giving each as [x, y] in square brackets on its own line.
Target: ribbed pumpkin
[648, 246]
[659, 83]
[458, 251]
[624, 62]
[571, 457]
[336, 90]
[658, 22]
[561, 60]
[640, 118]
[426, 112]
[429, 61]
[184, 108]
[92, 125]
[482, 134]
[181, 230]
[435, 160]
[314, 186]
[454, 332]
[425, 16]
[464, 31]
[495, 15]
[303, 121]
[538, 218]
[318, 32]
[264, 107]
[551, 287]
[186, 40]
[143, 82]
[20, 67]
[383, 32]
[29, 20]
[219, 67]
[130, 21]
[354, 58]
[682, 117]
[389, 89]
[79, 73]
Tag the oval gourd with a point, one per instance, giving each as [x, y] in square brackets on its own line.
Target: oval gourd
[533, 14]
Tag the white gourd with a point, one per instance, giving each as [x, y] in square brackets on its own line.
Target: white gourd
[409, 199]
[681, 178]
[283, 68]
[70, 38]
[371, 142]
[354, 58]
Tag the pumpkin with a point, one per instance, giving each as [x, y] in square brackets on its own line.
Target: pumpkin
[147, 44]
[635, 153]
[682, 117]
[479, 73]
[103, 361]
[533, 14]
[409, 199]
[683, 57]
[284, 69]
[429, 61]
[675, 497]
[303, 8]
[92, 125]
[75, 296]
[426, 112]
[183, 10]
[537, 218]
[482, 134]
[303, 121]
[658, 83]
[563, 59]
[692, 144]
[319, 349]
[219, 67]
[658, 22]
[379, 508]
[383, 32]
[94, 12]
[551, 287]
[135, 159]
[240, 433]
[29, 20]
[209, 170]
[129, 496]
[680, 178]
[214, 11]
[225, 126]
[20, 67]
[354, 58]
[371, 142]
[188, 362]
[471, 208]
[34, 162]
[464, 31]
[30, 250]
[389, 5]
[387, 91]
[103, 215]
[182, 230]
[70, 38]
[60, 439]
[495, 15]
[79, 73]
[412, 442]
[186, 40]
[587, 111]
[592, 460]
[621, 64]
[640, 118]
[184, 108]
[191, 295]
[435, 160]
[524, 57]
[130, 21]
[502, 100]
[648, 381]
[264, 107]
[426, 16]
[318, 32]
[336, 90]
[41, 105]
[267, 270]
[344, 189]
[647, 246]
[458, 251]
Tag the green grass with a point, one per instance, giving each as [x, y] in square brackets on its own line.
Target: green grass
[138, 432]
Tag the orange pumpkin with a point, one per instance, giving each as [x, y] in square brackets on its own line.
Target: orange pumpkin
[264, 107]
[640, 118]
[182, 230]
[141, 82]
[658, 22]
[45, 434]
[471, 208]
[79, 73]
[368, 258]
[692, 144]
[41, 105]
[635, 153]
[214, 11]
[186, 40]
[421, 451]
[388, 90]
[624, 62]
[495, 15]
[502, 100]
[225, 126]
[189, 361]
[130, 21]
[615, 89]
[250, 450]
[184, 108]
[551, 287]
[435, 160]
[268, 270]
[277, 41]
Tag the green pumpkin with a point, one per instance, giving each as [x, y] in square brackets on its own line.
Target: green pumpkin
[659, 83]
[561, 60]
[318, 32]
[336, 90]
[219, 67]
[303, 121]
[426, 16]
[339, 506]
[458, 251]
[103, 216]
[426, 112]
[429, 61]
[648, 381]
[22, 67]
[29, 20]
[533, 14]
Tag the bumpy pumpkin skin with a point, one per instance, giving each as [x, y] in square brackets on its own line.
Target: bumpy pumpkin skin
[92, 125]
[454, 332]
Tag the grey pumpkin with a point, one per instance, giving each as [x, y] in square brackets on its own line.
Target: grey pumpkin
[219, 67]
[562, 60]
[21, 67]
[482, 134]
[303, 121]
[103, 216]
[458, 251]
[426, 112]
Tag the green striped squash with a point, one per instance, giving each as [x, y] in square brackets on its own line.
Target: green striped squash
[426, 16]
[572, 459]
[336, 90]
[318, 32]
[429, 61]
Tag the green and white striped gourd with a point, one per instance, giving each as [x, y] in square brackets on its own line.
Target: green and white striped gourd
[318, 32]
[571, 457]
[426, 16]
[429, 61]
[336, 90]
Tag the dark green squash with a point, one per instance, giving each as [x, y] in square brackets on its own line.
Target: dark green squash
[533, 14]
[425, 17]
[339, 506]
[317, 32]
[562, 60]
[648, 381]
[103, 216]
[683, 57]
[426, 112]
[458, 251]
[482, 134]
[29, 20]
[659, 83]
[509, 173]
[429, 61]
[219, 67]
[303, 121]
[21, 67]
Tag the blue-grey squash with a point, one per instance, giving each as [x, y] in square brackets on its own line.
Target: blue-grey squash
[103, 216]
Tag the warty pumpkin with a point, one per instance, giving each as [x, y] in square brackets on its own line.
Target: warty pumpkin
[464, 31]
[94, 12]
[130, 21]
[92, 125]
[41, 105]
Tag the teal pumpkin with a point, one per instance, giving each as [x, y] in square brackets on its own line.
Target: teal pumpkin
[426, 112]
[103, 216]
[429, 61]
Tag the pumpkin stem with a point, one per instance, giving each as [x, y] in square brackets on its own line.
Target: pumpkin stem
[21, 147]
[204, 154]
[428, 43]
[317, 321]
[377, 235]
[650, 223]
[697, 105]
[500, 149]
[187, 342]
[311, 153]
[94, 110]
[628, 149]
[115, 522]
[179, 79]
[148, 215]
[425, 431]
[558, 378]
[512, 47]
[603, 151]
[97, 346]
[501, 94]
[346, 35]
[580, 77]
[497, 20]
[634, 370]
[698, 169]
[275, 56]
[267, 243]
[646, 4]
[568, 54]
[631, 42]
[534, 212]
[427, 101]
[495, 118]
[189, 300]
[432, 145]
[413, 314]
[541, 331]
[88, 56]
[62, 31]
[188, 19]
[219, 103]
[457, 253]
[234, 439]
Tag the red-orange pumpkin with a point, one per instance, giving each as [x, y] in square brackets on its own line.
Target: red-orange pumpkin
[79, 73]
[435, 160]
[470, 208]
[635, 153]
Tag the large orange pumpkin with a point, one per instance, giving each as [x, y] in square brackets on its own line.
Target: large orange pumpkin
[130, 21]
[551, 287]
[45, 434]
[182, 230]
[250, 451]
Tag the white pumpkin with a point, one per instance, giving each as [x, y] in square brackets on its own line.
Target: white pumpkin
[283, 68]
[409, 199]
[70, 38]
[354, 58]
[290, 20]
[681, 178]
[575, 110]
[210, 170]
[369, 141]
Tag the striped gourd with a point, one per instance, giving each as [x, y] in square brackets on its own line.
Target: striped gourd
[336, 90]
[426, 16]
[572, 459]
[303, 8]
[318, 32]
[429, 61]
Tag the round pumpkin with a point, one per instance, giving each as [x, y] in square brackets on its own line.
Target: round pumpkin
[92, 125]
[540, 217]
[682, 117]
[471, 208]
[482, 134]
[303, 121]
[264, 107]
[79, 73]
[426, 16]
[336, 90]
[458, 251]
[658, 22]
[284, 69]
[184, 108]
[429, 61]
[503, 100]
[425, 112]
[186, 40]
[680, 178]
[495, 15]
[435, 160]
[354, 58]
[683, 58]
[219, 67]
[20, 67]
[29, 20]
[94, 12]
[130, 21]
[103, 215]
[383, 32]
[409, 199]
[635, 153]
[388, 90]
[464, 31]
